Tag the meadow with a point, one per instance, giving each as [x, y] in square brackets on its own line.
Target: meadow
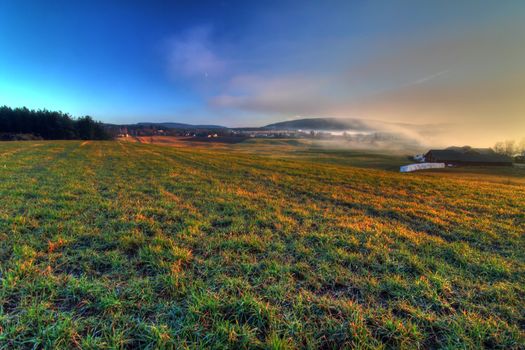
[269, 245]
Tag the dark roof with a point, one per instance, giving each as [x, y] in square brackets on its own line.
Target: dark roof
[468, 154]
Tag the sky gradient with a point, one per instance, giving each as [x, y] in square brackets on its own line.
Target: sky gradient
[458, 66]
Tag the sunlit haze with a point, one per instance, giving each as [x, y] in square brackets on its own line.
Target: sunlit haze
[455, 69]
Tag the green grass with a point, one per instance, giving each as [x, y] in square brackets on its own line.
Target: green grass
[121, 245]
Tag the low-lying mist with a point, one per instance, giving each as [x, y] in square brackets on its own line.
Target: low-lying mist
[394, 136]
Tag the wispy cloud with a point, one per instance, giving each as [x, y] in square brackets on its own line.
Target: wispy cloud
[192, 54]
[286, 94]
[427, 78]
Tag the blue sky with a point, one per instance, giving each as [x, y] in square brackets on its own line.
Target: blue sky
[255, 62]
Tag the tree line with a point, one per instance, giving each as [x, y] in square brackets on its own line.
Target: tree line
[510, 147]
[49, 125]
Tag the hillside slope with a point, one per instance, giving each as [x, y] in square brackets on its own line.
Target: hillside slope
[321, 124]
[170, 125]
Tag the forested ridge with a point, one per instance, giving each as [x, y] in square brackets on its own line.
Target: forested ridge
[48, 125]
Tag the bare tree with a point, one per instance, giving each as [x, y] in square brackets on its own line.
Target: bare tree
[510, 147]
[499, 147]
[521, 147]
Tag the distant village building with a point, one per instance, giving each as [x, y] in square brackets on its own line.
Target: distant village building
[467, 156]
[520, 159]
[419, 157]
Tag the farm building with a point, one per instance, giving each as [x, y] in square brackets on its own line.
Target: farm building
[467, 156]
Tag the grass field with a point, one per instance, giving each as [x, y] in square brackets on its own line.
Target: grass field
[254, 245]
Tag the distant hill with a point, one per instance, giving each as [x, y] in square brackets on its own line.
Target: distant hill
[170, 125]
[327, 124]
[321, 124]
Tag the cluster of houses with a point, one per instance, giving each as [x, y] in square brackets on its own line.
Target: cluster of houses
[458, 156]
[123, 132]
